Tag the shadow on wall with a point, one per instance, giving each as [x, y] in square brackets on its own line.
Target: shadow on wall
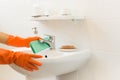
[98, 36]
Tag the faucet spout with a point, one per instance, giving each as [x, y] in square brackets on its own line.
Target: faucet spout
[50, 42]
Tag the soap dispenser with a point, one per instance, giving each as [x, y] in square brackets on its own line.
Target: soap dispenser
[35, 31]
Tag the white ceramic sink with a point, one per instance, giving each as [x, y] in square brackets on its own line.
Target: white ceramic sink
[56, 63]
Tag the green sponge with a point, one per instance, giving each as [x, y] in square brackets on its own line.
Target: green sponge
[38, 46]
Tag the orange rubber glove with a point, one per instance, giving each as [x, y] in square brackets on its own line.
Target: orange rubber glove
[21, 59]
[20, 42]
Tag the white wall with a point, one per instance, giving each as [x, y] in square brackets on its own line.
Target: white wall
[103, 26]
[15, 18]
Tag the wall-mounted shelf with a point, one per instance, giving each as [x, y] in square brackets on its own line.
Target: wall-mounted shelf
[46, 18]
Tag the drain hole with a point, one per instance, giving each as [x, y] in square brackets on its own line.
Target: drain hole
[46, 56]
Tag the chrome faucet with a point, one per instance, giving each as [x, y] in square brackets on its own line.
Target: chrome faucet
[51, 41]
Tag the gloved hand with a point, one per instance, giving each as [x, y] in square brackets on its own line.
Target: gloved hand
[20, 42]
[21, 59]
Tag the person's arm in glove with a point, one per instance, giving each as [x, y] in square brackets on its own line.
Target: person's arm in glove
[16, 40]
[21, 59]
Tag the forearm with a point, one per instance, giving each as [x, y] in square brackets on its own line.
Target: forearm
[16, 40]
[3, 37]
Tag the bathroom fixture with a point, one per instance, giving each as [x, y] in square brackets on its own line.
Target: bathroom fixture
[50, 38]
[55, 63]
[50, 41]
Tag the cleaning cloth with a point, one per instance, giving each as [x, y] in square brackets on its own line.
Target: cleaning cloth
[37, 46]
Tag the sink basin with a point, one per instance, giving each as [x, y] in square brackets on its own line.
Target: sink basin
[55, 63]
